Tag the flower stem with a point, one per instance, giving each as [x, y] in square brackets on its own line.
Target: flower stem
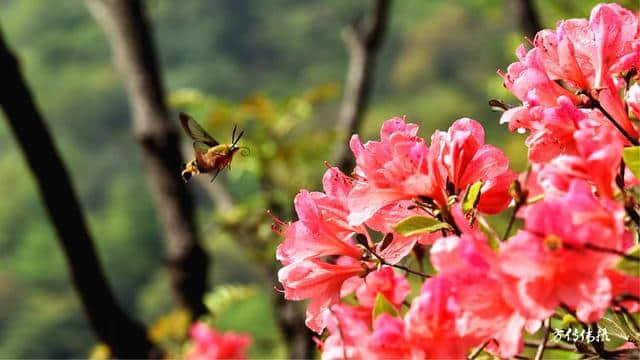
[401, 267]
[558, 346]
[597, 105]
[511, 220]
[543, 344]
[408, 270]
[477, 351]
[612, 251]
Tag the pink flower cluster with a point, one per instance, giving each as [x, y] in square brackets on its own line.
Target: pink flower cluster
[209, 344]
[580, 98]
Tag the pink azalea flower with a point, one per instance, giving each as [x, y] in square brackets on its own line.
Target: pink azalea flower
[549, 262]
[352, 338]
[623, 284]
[614, 28]
[400, 246]
[459, 158]
[598, 154]
[551, 128]
[209, 344]
[529, 181]
[558, 54]
[333, 201]
[583, 52]
[600, 146]
[430, 324]
[387, 340]
[483, 311]
[633, 99]
[613, 104]
[319, 281]
[348, 326]
[394, 287]
[322, 229]
[388, 170]
[527, 79]
[586, 54]
[315, 234]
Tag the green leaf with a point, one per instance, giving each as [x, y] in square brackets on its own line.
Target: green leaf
[492, 237]
[628, 266]
[568, 319]
[417, 224]
[617, 328]
[471, 197]
[631, 158]
[613, 326]
[224, 296]
[383, 305]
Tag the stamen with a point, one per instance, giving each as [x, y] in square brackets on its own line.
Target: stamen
[276, 219]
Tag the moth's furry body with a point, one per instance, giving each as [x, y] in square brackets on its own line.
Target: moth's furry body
[215, 159]
[210, 156]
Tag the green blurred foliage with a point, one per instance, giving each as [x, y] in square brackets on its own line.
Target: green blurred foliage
[252, 63]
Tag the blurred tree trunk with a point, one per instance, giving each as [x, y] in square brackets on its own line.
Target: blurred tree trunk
[363, 42]
[526, 15]
[129, 33]
[125, 337]
[299, 338]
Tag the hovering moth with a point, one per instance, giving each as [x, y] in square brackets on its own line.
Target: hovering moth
[210, 155]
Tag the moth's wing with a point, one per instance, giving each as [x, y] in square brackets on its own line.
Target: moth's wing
[200, 148]
[195, 131]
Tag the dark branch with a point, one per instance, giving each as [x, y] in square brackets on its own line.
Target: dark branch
[598, 105]
[478, 350]
[525, 13]
[543, 343]
[125, 337]
[612, 251]
[363, 42]
[128, 31]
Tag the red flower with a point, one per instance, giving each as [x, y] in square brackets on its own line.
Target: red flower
[459, 158]
[389, 170]
[209, 344]
[553, 260]
[319, 281]
[394, 287]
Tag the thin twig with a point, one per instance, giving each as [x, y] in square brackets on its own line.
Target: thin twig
[521, 195]
[414, 272]
[629, 205]
[612, 251]
[557, 346]
[627, 297]
[543, 344]
[511, 221]
[597, 105]
[478, 350]
[401, 267]
[446, 217]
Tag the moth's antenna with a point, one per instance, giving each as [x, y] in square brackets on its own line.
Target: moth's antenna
[233, 133]
[238, 138]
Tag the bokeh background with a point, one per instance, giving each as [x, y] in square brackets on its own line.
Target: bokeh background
[276, 68]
